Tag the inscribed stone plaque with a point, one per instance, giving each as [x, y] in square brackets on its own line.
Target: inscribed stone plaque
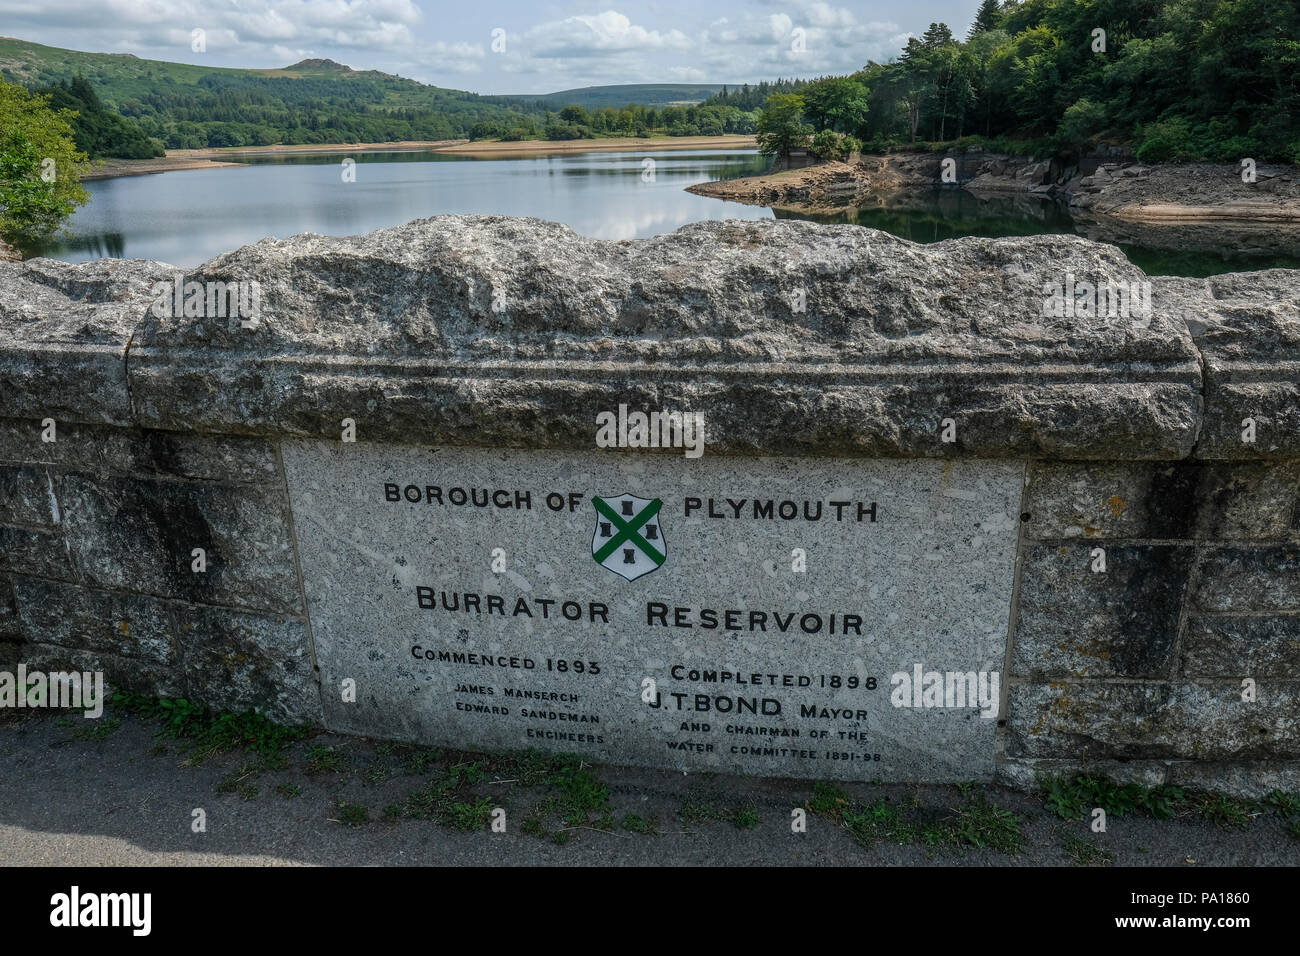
[616, 569]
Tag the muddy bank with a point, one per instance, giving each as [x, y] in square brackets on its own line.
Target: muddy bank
[113, 168]
[177, 159]
[495, 148]
[1119, 189]
[828, 185]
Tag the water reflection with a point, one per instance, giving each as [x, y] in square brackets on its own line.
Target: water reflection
[187, 217]
[950, 213]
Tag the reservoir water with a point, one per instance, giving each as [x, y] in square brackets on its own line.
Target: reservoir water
[187, 217]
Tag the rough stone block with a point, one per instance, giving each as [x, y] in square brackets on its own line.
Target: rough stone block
[1243, 647]
[1027, 774]
[1118, 623]
[397, 330]
[64, 330]
[105, 449]
[1263, 578]
[78, 618]
[1245, 326]
[139, 535]
[35, 552]
[238, 661]
[1176, 501]
[120, 673]
[1201, 721]
[1248, 781]
[27, 497]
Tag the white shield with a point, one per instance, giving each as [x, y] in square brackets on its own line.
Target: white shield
[629, 535]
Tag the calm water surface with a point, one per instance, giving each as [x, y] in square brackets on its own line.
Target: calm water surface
[188, 216]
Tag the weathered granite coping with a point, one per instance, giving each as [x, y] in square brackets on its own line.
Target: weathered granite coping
[397, 330]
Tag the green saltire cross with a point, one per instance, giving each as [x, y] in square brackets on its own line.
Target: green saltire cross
[627, 530]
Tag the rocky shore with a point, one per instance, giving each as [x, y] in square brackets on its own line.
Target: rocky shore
[1116, 187]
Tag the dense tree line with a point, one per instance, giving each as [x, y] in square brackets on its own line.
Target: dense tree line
[750, 98]
[1178, 79]
[98, 131]
[225, 109]
[575, 122]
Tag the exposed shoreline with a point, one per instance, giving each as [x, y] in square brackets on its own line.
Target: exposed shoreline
[1187, 194]
[183, 159]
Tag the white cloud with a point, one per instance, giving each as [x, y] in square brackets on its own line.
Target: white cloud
[600, 35]
[779, 26]
[688, 74]
[458, 57]
[557, 45]
[254, 28]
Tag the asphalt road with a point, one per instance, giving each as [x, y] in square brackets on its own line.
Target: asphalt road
[129, 798]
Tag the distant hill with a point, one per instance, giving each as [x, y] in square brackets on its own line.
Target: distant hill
[121, 76]
[188, 106]
[313, 101]
[318, 64]
[644, 94]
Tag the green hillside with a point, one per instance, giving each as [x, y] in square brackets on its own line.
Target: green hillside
[184, 106]
[316, 101]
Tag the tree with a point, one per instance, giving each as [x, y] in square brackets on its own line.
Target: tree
[40, 167]
[986, 18]
[99, 131]
[838, 103]
[576, 115]
[1080, 123]
[912, 81]
[780, 127]
[983, 49]
[936, 35]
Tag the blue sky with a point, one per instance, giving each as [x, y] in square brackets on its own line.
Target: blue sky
[541, 47]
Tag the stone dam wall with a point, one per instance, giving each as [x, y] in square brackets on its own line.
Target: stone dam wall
[1123, 492]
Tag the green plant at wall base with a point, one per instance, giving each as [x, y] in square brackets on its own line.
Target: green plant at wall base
[580, 794]
[185, 719]
[635, 823]
[1085, 853]
[1287, 804]
[744, 818]
[1223, 811]
[1074, 798]
[472, 815]
[983, 825]
[324, 759]
[829, 800]
[353, 814]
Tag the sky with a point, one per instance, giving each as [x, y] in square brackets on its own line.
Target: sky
[501, 46]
